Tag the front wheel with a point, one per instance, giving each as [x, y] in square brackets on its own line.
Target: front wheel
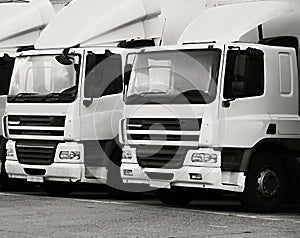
[265, 186]
[173, 197]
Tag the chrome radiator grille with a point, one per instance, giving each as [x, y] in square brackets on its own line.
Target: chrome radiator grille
[162, 142]
[20, 127]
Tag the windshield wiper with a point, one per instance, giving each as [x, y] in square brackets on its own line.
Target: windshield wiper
[20, 95]
[138, 96]
[195, 93]
[192, 96]
[15, 1]
[67, 92]
[50, 95]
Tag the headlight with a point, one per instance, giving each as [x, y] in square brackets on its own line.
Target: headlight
[69, 155]
[204, 158]
[10, 153]
[127, 154]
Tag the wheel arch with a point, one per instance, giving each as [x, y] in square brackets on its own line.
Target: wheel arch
[284, 155]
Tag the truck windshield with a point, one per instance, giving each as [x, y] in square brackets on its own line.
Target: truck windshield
[174, 77]
[42, 78]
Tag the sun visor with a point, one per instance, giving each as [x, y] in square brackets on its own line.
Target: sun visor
[22, 22]
[229, 23]
[104, 22]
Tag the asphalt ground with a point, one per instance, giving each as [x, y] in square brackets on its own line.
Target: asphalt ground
[92, 213]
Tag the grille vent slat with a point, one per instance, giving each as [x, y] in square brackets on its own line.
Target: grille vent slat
[173, 124]
[53, 121]
[36, 152]
[17, 125]
[163, 137]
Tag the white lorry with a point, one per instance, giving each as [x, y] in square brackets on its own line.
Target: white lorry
[21, 25]
[217, 112]
[65, 99]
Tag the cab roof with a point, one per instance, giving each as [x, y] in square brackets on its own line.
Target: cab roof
[229, 23]
[101, 22]
[22, 22]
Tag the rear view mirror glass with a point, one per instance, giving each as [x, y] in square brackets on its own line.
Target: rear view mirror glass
[240, 67]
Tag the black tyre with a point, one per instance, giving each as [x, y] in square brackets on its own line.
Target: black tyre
[115, 186]
[58, 189]
[266, 185]
[173, 197]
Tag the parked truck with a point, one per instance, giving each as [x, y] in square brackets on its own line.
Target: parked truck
[220, 110]
[22, 22]
[65, 99]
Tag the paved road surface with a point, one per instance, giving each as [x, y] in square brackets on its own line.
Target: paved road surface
[86, 214]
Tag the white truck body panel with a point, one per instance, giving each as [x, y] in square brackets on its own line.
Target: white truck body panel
[133, 19]
[144, 19]
[237, 19]
[58, 5]
[178, 15]
[22, 22]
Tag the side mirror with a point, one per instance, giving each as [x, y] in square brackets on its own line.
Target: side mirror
[240, 67]
[64, 60]
[8, 59]
[95, 91]
[91, 90]
[239, 86]
[127, 73]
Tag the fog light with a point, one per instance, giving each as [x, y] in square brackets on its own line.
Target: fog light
[127, 154]
[196, 176]
[69, 155]
[204, 158]
[10, 153]
[128, 172]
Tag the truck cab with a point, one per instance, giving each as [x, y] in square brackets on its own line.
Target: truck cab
[23, 23]
[58, 104]
[216, 112]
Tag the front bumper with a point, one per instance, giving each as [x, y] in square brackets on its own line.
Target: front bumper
[59, 170]
[56, 172]
[189, 175]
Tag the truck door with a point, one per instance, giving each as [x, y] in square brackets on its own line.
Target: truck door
[244, 104]
[101, 106]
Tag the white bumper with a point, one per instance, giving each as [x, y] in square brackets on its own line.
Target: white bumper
[65, 171]
[189, 175]
[55, 172]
